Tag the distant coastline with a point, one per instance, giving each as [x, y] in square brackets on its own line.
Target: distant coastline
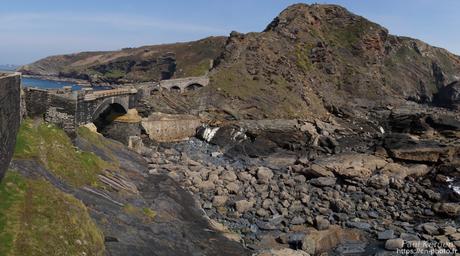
[8, 67]
[80, 82]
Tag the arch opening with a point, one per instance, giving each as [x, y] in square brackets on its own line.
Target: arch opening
[193, 87]
[154, 91]
[107, 115]
[175, 88]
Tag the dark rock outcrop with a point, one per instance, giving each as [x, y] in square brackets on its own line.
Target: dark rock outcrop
[449, 96]
[9, 117]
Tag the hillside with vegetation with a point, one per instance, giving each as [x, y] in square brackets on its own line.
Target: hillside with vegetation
[147, 63]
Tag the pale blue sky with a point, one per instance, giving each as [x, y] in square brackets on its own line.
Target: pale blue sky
[33, 29]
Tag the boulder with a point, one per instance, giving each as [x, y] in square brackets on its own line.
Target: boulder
[351, 165]
[321, 223]
[395, 170]
[394, 244]
[228, 176]
[449, 209]
[218, 201]
[379, 181]
[409, 148]
[319, 241]
[449, 96]
[243, 206]
[264, 175]
[385, 235]
[316, 170]
[323, 181]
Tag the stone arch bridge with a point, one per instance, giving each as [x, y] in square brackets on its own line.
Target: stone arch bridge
[70, 109]
[177, 85]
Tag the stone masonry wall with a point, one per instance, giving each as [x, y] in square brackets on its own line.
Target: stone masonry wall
[61, 111]
[166, 128]
[9, 117]
[121, 131]
[36, 102]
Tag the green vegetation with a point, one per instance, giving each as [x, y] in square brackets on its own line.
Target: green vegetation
[350, 34]
[145, 214]
[302, 54]
[38, 219]
[231, 80]
[54, 149]
[12, 191]
[103, 144]
[198, 69]
[114, 74]
[276, 98]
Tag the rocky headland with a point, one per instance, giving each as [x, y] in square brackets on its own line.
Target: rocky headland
[321, 135]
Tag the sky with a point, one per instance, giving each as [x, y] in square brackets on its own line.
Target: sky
[32, 29]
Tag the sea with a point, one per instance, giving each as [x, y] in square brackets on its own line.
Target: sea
[47, 84]
[51, 84]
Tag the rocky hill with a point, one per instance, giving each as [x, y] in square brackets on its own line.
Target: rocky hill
[311, 60]
[314, 59]
[148, 63]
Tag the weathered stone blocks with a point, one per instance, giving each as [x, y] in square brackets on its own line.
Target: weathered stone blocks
[10, 91]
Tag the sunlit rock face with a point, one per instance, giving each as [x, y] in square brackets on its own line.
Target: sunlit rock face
[9, 117]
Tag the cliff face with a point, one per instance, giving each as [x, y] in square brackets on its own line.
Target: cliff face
[148, 63]
[9, 117]
[314, 59]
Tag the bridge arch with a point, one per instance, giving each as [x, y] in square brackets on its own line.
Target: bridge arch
[154, 91]
[193, 86]
[175, 88]
[108, 110]
[108, 103]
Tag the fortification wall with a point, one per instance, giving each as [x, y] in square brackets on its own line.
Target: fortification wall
[10, 107]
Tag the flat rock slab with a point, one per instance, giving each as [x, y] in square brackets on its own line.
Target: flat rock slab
[178, 227]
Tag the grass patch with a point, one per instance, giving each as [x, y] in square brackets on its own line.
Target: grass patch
[53, 148]
[12, 191]
[114, 74]
[38, 219]
[276, 98]
[350, 34]
[198, 69]
[145, 214]
[302, 53]
[102, 143]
